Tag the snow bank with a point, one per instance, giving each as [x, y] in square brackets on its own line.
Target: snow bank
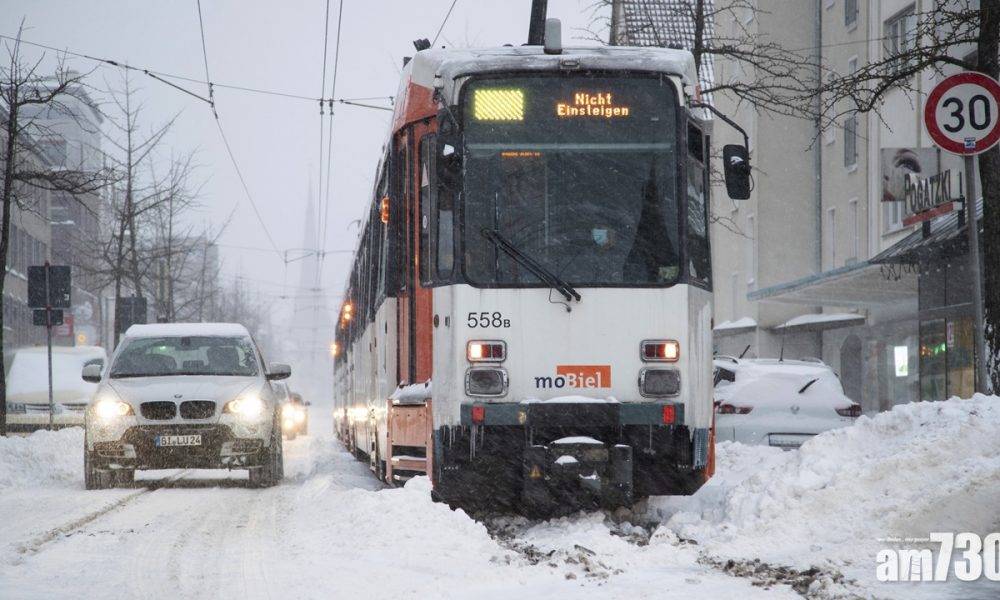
[42, 459]
[922, 467]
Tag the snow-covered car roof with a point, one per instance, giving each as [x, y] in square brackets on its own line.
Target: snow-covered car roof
[187, 329]
[778, 382]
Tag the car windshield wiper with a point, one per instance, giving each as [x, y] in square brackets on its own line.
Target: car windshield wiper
[806, 386]
[568, 291]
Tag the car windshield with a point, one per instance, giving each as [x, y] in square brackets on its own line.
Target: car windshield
[188, 355]
[578, 173]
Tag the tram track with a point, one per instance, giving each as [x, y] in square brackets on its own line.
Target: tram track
[36, 544]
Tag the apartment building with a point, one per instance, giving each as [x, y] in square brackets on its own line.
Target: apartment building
[29, 244]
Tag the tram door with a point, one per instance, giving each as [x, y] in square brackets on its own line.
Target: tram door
[415, 353]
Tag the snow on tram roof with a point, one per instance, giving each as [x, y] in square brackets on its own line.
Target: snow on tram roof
[188, 329]
[451, 63]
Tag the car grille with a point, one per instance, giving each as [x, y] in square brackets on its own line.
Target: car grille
[158, 411]
[197, 409]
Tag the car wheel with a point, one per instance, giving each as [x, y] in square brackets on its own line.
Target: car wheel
[124, 477]
[94, 478]
[272, 470]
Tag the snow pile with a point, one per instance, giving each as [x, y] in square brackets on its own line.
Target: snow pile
[42, 459]
[919, 468]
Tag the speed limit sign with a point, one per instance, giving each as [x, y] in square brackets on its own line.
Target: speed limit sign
[962, 114]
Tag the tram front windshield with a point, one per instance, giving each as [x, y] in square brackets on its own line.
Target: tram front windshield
[578, 173]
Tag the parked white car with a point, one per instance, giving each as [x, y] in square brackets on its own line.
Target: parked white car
[184, 396]
[779, 403]
[28, 386]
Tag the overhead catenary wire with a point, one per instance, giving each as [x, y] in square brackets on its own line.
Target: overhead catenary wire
[329, 159]
[225, 140]
[160, 75]
[441, 28]
[322, 90]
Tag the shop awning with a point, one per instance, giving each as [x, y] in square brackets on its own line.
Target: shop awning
[947, 237]
[820, 322]
[857, 285]
[736, 327]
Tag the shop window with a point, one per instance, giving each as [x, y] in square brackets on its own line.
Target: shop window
[933, 369]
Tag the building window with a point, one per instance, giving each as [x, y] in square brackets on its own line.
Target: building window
[892, 213]
[850, 13]
[855, 224]
[751, 252]
[900, 35]
[831, 236]
[851, 141]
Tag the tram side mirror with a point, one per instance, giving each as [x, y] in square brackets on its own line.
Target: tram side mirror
[736, 166]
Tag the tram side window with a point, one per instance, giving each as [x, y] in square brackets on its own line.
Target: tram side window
[699, 254]
[437, 221]
[383, 235]
[399, 219]
[426, 204]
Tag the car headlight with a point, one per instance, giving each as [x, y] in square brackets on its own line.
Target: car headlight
[248, 407]
[109, 409]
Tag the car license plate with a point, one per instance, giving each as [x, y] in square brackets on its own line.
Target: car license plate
[170, 441]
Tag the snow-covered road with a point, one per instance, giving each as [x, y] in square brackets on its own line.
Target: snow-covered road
[331, 531]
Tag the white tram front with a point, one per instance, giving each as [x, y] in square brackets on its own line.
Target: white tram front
[529, 316]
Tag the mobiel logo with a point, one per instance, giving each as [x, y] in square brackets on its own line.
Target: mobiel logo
[577, 376]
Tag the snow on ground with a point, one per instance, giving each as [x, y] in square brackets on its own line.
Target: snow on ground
[44, 458]
[919, 468]
[331, 530]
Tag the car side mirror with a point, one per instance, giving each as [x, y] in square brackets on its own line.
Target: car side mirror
[278, 371]
[92, 373]
[736, 163]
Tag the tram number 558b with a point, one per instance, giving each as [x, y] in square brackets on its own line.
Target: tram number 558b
[486, 319]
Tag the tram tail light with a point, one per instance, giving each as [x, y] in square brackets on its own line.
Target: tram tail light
[661, 350]
[478, 414]
[669, 414]
[486, 351]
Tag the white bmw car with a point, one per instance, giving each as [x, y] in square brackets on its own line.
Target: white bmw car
[184, 396]
[779, 403]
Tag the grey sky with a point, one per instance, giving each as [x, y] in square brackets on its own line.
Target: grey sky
[274, 45]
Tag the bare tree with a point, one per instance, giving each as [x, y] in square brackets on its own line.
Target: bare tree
[948, 33]
[785, 81]
[24, 90]
[136, 196]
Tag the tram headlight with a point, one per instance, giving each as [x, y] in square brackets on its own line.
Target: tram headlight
[659, 383]
[486, 382]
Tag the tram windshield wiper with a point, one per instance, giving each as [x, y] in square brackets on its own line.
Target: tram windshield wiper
[568, 291]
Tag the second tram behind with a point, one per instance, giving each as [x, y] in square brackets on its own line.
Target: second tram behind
[528, 320]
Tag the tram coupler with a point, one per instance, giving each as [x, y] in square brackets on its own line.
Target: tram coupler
[575, 474]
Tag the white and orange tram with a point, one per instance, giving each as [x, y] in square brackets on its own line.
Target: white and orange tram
[528, 318]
